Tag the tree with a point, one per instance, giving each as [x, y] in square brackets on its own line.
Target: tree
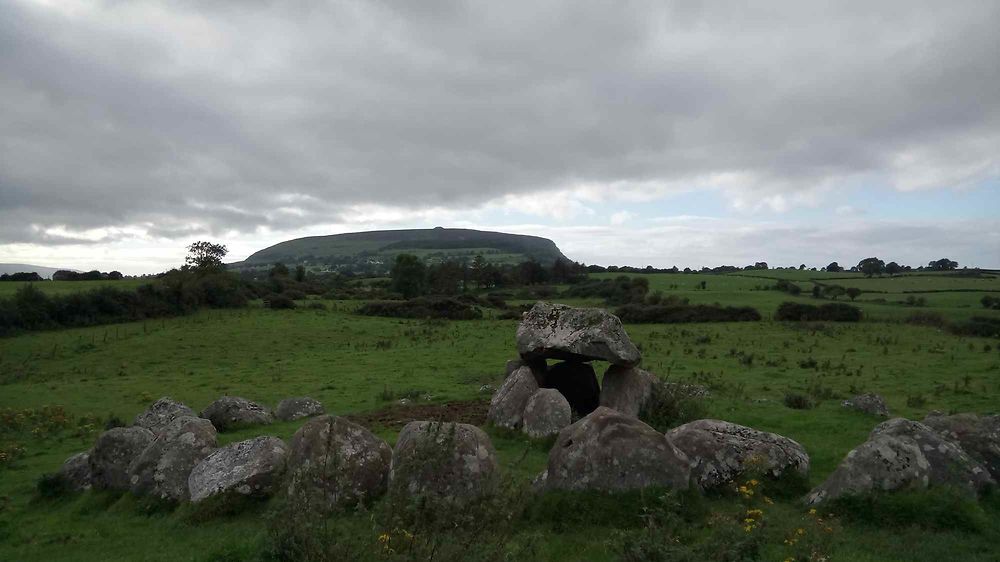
[943, 264]
[204, 255]
[834, 267]
[893, 268]
[278, 270]
[479, 270]
[871, 266]
[300, 273]
[853, 293]
[817, 290]
[409, 276]
[834, 291]
[760, 265]
[802, 267]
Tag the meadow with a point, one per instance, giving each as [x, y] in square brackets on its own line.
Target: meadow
[357, 365]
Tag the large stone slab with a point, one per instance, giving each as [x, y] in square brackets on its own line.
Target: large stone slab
[555, 331]
[163, 467]
[251, 468]
[450, 462]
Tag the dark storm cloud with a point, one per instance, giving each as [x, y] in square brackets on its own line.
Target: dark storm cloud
[204, 117]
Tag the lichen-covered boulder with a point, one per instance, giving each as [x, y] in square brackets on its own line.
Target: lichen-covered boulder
[113, 453]
[507, 405]
[871, 404]
[450, 462]
[76, 471]
[722, 451]
[883, 463]
[978, 435]
[232, 412]
[949, 464]
[609, 451]
[251, 468]
[538, 368]
[163, 467]
[160, 413]
[546, 414]
[578, 383]
[337, 463]
[555, 331]
[297, 408]
[627, 389]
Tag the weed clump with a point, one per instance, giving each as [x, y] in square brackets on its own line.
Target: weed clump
[447, 308]
[797, 401]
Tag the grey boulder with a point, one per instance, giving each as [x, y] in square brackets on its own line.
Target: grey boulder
[449, 462]
[538, 368]
[546, 414]
[297, 408]
[978, 435]
[721, 452]
[113, 453]
[508, 403]
[336, 462]
[609, 451]
[162, 468]
[871, 404]
[627, 389]
[160, 413]
[251, 468]
[555, 331]
[232, 412]
[76, 471]
[884, 463]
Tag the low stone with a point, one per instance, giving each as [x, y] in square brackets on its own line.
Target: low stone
[578, 383]
[978, 435]
[113, 453]
[160, 413]
[884, 463]
[233, 412]
[546, 414]
[720, 452]
[555, 331]
[163, 467]
[251, 468]
[76, 471]
[450, 462]
[609, 451]
[342, 462]
[871, 404]
[627, 389]
[508, 403]
[297, 408]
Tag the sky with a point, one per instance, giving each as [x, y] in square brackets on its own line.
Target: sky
[630, 133]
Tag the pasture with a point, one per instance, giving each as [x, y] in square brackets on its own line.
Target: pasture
[357, 365]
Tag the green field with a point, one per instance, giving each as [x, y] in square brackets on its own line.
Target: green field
[353, 363]
[8, 288]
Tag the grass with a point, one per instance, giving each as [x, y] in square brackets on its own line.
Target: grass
[8, 288]
[353, 363]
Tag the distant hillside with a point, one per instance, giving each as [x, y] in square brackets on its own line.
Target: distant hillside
[374, 251]
[45, 272]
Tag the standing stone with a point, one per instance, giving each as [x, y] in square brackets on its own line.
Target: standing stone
[76, 471]
[233, 412]
[884, 463]
[627, 389]
[978, 435]
[251, 468]
[163, 467]
[160, 413]
[871, 404]
[556, 331]
[578, 383]
[546, 414]
[451, 462]
[291, 409]
[113, 454]
[341, 461]
[507, 406]
[609, 451]
[538, 368]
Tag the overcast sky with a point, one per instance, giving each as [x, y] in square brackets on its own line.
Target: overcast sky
[628, 132]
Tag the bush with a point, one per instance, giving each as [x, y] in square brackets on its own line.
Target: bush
[674, 314]
[673, 404]
[278, 302]
[978, 326]
[934, 319]
[53, 486]
[294, 294]
[832, 312]
[423, 307]
[620, 290]
[797, 401]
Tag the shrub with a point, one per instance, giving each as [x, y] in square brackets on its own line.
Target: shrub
[673, 404]
[294, 294]
[934, 319]
[674, 314]
[53, 486]
[423, 307]
[276, 302]
[979, 326]
[620, 290]
[797, 401]
[833, 312]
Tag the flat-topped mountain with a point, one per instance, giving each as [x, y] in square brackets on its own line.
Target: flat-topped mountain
[375, 250]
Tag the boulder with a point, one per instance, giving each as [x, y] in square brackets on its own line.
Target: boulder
[578, 383]
[162, 468]
[112, 454]
[232, 412]
[76, 471]
[546, 414]
[297, 408]
[160, 413]
[609, 451]
[627, 389]
[338, 459]
[507, 405]
[538, 368]
[978, 435]
[949, 464]
[883, 463]
[722, 451]
[451, 462]
[251, 468]
[871, 404]
[555, 331]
